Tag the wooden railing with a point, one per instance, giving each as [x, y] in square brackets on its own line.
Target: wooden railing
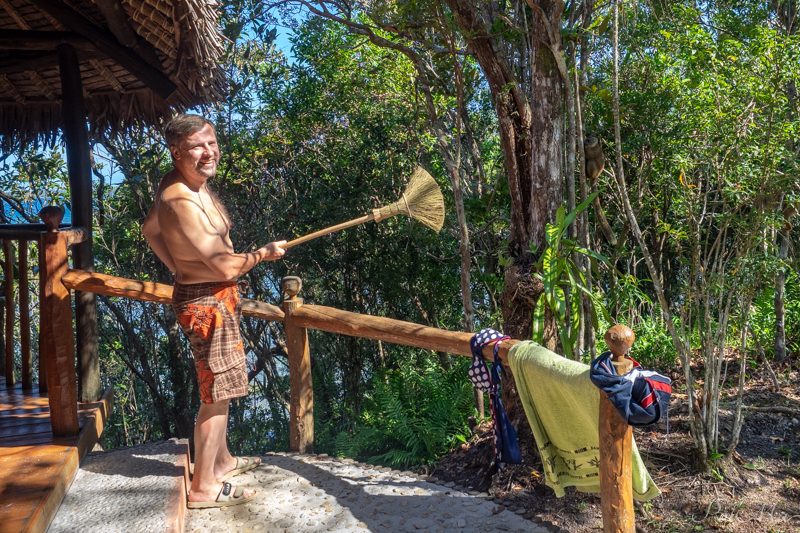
[9, 235]
[16, 240]
[57, 349]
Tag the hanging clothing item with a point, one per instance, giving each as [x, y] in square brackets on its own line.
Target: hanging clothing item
[478, 374]
[563, 409]
[641, 397]
[506, 448]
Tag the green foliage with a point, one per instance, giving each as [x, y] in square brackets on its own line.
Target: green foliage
[30, 180]
[709, 130]
[628, 300]
[762, 319]
[413, 417]
[653, 348]
[559, 272]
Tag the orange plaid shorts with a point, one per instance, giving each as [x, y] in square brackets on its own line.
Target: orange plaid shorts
[231, 383]
[209, 314]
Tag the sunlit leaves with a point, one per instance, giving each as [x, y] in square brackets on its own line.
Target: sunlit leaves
[558, 271]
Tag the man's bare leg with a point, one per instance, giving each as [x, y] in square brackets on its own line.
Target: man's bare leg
[225, 462]
[209, 439]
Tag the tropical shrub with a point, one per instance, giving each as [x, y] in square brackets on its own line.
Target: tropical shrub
[414, 416]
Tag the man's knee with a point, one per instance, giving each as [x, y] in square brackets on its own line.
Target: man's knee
[214, 409]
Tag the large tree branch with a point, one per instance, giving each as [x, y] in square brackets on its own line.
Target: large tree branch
[16, 205]
[513, 108]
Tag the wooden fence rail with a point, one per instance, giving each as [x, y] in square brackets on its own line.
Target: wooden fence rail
[317, 317]
[148, 291]
[298, 318]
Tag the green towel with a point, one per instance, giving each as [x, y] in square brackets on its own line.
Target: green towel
[563, 406]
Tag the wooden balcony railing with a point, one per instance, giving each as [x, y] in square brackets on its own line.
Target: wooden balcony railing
[57, 350]
[16, 244]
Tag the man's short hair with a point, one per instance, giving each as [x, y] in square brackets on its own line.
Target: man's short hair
[182, 126]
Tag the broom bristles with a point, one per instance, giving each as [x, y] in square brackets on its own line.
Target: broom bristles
[422, 201]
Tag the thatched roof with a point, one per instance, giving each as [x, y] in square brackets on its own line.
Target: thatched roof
[139, 59]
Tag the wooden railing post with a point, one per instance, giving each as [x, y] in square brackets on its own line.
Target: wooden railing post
[616, 477]
[8, 276]
[56, 341]
[24, 317]
[2, 328]
[42, 268]
[301, 400]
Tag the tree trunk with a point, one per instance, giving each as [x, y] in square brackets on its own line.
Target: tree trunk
[531, 138]
[787, 12]
[587, 340]
[780, 308]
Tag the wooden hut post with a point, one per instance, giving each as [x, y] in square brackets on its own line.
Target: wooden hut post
[80, 182]
[301, 399]
[56, 343]
[24, 317]
[2, 327]
[616, 477]
[8, 277]
[42, 268]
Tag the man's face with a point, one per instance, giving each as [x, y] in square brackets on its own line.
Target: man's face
[198, 154]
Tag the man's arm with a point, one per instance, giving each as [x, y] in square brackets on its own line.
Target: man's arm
[152, 232]
[199, 234]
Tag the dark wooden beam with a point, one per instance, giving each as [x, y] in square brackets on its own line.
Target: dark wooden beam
[105, 41]
[24, 316]
[119, 24]
[24, 61]
[42, 40]
[80, 182]
[117, 21]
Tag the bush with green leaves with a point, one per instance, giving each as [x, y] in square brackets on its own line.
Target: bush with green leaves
[414, 416]
[762, 319]
[653, 348]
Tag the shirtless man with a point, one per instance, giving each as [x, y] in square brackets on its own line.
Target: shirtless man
[189, 231]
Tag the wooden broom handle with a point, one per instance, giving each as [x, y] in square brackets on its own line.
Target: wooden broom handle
[337, 227]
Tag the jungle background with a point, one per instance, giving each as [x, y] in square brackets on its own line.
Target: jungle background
[689, 240]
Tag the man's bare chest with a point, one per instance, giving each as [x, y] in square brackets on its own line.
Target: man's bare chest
[214, 212]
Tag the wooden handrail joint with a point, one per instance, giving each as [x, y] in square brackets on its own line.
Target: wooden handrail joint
[75, 235]
[148, 291]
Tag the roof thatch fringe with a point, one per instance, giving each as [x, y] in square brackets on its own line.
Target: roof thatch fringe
[109, 114]
[29, 124]
[200, 47]
[187, 42]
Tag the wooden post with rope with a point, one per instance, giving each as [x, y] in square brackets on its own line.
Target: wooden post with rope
[616, 444]
[301, 395]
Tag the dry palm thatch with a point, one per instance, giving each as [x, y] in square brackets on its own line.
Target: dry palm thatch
[422, 200]
[178, 38]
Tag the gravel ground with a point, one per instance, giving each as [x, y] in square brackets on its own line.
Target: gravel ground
[122, 491]
[317, 493]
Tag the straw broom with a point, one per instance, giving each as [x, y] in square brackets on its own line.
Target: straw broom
[422, 200]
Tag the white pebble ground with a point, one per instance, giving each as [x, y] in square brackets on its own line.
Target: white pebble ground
[123, 491]
[316, 494]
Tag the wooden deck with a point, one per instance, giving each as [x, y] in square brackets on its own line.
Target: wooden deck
[36, 469]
